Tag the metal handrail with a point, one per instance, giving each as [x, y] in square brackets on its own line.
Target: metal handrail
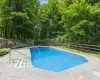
[17, 59]
[23, 54]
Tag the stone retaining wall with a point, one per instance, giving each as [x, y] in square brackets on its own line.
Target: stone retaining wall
[3, 43]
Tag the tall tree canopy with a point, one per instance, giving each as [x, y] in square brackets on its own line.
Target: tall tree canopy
[18, 18]
[72, 21]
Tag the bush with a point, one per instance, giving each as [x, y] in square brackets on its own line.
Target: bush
[4, 51]
[10, 44]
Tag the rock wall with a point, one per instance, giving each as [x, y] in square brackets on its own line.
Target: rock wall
[3, 43]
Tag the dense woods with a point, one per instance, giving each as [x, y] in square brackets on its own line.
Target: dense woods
[70, 21]
[18, 18]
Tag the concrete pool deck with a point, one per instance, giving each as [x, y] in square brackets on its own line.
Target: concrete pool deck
[87, 71]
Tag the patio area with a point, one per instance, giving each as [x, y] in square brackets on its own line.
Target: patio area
[87, 71]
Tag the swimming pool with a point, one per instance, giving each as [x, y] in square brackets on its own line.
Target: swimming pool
[54, 59]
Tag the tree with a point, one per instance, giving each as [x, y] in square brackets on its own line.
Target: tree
[18, 18]
[73, 21]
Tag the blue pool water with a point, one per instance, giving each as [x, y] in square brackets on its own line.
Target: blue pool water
[53, 59]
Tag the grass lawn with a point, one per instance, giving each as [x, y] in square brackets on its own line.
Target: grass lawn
[78, 51]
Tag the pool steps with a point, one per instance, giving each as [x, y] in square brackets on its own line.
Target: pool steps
[22, 63]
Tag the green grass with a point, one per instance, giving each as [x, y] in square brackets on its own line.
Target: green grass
[78, 51]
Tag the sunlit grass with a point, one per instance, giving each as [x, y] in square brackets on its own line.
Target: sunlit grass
[78, 51]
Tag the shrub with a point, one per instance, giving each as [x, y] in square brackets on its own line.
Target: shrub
[4, 51]
[10, 44]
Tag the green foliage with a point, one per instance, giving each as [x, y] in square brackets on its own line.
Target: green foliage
[4, 51]
[81, 21]
[73, 21]
[18, 18]
[50, 20]
[10, 44]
